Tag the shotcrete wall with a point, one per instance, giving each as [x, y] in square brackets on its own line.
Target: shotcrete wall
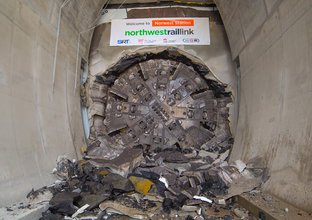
[36, 123]
[272, 38]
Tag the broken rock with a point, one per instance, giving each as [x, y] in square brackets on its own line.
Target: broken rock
[188, 208]
[62, 203]
[212, 155]
[193, 202]
[64, 168]
[240, 213]
[124, 164]
[154, 197]
[51, 216]
[172, 157]
[102, 149]
[93, 200]
[97, 108]
[118, 182]
[129, 206]
[64, 197]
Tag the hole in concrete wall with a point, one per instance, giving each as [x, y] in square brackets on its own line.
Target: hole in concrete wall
[161, 101]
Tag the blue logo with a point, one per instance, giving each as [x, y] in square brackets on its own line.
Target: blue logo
[123, 41]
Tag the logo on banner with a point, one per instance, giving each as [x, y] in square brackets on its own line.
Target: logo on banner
[123, 41]
[165, 40]
[149, 41]
[191, 40]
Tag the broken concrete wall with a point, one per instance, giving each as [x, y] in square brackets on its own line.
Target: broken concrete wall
[273, 41]
[36, 124]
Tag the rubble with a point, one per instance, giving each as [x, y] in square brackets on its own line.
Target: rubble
[118, 182]
[92, 200]
[152, 187]
[188, 208]
[124, 164]
[62, 203]
[64, 168]
[240, 213]
[94, 191]
[80, 210]
[127, 205]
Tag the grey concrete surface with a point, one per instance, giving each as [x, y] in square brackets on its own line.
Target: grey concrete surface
[37, 125]
[272, 40]
[275, 120]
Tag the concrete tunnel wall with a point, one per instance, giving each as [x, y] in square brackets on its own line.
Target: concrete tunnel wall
[272, 38]
[36, 124]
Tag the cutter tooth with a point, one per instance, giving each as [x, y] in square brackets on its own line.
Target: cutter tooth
[118, 93]
[115, 127]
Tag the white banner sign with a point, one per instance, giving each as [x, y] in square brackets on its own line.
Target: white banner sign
[160, 31]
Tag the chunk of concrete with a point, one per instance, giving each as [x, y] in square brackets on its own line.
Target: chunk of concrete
[189, 208]
[118, 182]
[126, 205]
[64, 168]
[124, 164]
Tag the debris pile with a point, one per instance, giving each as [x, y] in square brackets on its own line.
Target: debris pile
[148, 192]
